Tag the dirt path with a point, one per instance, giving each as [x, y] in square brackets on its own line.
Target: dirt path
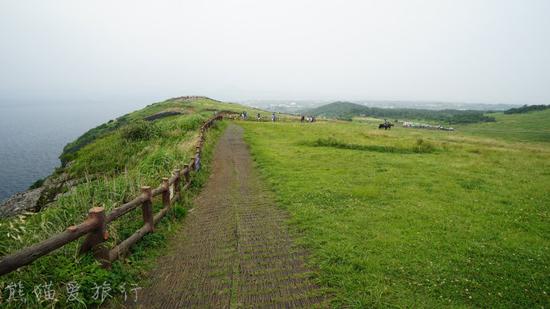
[234, 250]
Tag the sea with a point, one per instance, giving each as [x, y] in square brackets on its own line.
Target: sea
[33, 134]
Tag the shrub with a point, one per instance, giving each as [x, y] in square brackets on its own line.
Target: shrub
[140, 130]
[37, 184]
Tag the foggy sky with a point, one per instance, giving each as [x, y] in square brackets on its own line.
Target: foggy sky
[462, 51]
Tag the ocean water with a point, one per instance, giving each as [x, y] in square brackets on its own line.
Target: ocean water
[32, 136]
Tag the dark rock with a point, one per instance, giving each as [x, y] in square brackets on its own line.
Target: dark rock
[20, 202]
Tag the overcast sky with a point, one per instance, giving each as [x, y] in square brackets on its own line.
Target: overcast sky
[472, 51]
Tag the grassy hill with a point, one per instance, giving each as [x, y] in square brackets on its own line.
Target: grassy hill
[533, 126]
[108, 165]
[347, 110]
[184, 105]
[415, 218]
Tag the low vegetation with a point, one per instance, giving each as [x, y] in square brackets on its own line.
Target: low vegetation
[140, 130]
[464, 224]
[420, 146]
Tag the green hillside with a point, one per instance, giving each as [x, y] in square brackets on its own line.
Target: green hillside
[184, 106]
[347, 110]
[533, 126]
[108, 165]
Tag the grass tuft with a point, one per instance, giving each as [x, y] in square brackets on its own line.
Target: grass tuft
[421, 146]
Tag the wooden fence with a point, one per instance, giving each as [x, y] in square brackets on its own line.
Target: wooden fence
[95, 225]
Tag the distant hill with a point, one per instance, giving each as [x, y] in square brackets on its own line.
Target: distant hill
[347, 110]
[295, 106]
[526, 109]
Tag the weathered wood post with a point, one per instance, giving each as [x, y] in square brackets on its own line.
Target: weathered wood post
[97, 236]
[166, 192]
[186, 173]
[192, 162]
[198, 158]
[147, 208]
[177, 189]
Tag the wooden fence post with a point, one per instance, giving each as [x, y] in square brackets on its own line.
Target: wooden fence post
[147, 208]
[197, 162]
[177, 189]
[166, 192]
[192, 162]
[95, 239]
[186, 173]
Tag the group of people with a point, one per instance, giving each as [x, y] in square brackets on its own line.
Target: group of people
[307, 118]
[244, 116]
[303, 118]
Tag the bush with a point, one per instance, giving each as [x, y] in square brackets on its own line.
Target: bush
[37, 184]
[140, 130]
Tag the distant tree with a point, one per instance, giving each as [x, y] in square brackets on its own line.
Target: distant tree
[345, 110]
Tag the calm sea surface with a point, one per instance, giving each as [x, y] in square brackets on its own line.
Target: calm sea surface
[32, 137]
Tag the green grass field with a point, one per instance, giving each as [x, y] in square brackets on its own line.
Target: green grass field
[528, 127]
[464, 222]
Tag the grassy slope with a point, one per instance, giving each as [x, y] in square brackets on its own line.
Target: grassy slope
[466, 225]
[185, 106]
[122, 166]
[528, 127]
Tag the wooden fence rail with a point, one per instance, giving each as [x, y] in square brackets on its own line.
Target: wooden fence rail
[95, 226]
